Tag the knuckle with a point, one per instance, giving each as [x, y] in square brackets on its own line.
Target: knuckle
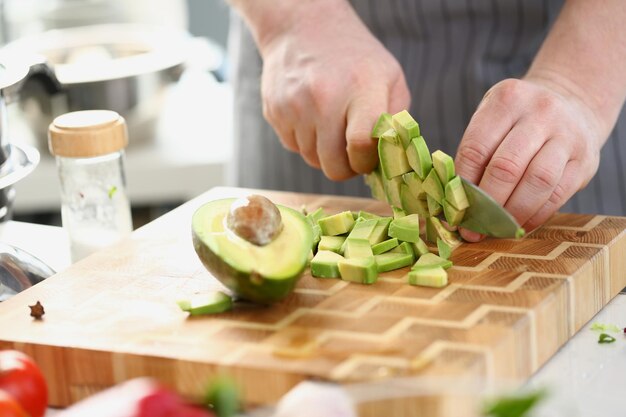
[558, 196]
[546, 104]
[505, 170]
[473, 155]
[507, 91]
[543, 177]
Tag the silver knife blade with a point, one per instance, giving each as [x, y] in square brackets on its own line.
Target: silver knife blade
[485, 215]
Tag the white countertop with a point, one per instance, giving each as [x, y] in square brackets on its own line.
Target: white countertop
[584, 378]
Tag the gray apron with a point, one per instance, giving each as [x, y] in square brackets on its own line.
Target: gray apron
[451, 51]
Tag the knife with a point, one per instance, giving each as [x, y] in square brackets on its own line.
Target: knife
[486, 216]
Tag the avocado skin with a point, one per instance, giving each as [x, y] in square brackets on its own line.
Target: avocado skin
[244, 285]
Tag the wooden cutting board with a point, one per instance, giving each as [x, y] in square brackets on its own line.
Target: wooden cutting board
[509, 306]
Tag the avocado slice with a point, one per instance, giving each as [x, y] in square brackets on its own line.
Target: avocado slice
[367, 215]
[392, 191]
[359, 270]
[357, 248]
[382, 125]
[420, 248]
[337, 224]
[452, 215]
[406, 229]
[331, 243]
[415, 184]
[434, 230]
[324, 264]
[432, 186]
[435, 277]
[210, 303]
[393, 159]
[392, 260]
[412, 204]
[455, 194]
[385, 246]
[444, 249]
[406, 248]
[418, 156]
[263, 274]
[434, 208]
[375, 182]
[406, 127]
[380, 232]
[430, 260]
[398, 213]
[444, 166]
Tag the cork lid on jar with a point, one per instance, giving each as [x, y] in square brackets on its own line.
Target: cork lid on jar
[87, 133]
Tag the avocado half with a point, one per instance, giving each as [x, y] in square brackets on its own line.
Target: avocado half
[263, 274]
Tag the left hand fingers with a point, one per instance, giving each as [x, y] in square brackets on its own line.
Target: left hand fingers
[539, 181]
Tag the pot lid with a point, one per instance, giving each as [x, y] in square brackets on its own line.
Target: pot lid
[11, 73]
[21, 161]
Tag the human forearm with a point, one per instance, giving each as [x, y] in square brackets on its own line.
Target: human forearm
[584, 55]
[268, 19]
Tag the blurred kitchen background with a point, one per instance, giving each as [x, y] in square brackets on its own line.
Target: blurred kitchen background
[162, 64]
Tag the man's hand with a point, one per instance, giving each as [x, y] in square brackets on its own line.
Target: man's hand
[531, 146]
[325, 81]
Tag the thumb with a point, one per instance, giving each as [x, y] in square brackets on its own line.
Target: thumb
[362, 113]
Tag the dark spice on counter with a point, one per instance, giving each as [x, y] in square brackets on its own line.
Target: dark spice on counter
[37, 311]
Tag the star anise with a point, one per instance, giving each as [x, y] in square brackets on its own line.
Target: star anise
[37, 311]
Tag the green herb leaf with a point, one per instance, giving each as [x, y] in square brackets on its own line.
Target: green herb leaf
[602, 327]
[514, 405]
[112, 191]
[222, 397]
[606, 338]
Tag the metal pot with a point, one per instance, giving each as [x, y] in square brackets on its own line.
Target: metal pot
[122, 67]
[17, 161]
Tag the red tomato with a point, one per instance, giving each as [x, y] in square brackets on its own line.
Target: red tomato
[9, 407]
[23, 381]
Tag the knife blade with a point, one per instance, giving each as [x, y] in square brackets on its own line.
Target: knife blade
[486, 216]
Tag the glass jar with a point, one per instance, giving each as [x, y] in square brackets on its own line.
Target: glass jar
[89, 149]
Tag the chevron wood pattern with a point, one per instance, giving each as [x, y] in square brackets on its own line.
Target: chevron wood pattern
[508, 308]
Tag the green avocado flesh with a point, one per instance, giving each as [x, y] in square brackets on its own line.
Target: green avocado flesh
[262, 274]
[210, 303]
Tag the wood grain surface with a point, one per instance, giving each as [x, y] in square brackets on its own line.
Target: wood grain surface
[509, 306]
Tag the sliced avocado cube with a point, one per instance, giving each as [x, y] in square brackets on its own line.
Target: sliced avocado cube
[430, 260]
[412, 204]
[331, 243]
[434, 208]
[444, 249]
[392, 260]
[210, 303]
[418, 156]
[406, 127]
[455, 194]
[324, 264]
[393, 160]
[384, 246]
[357, 248]
[420, 248]
[405, 248]
[415, 184]
[361, 230]
[317, 235]
[406, 229]
[382, 125]
[380, 232]
[391, 136]
[337, 224]
[368, 216]
[434, 230]
[375, 182]
[444, 166]
[398, 212]
[359, 270]
[435, 277]
[452, 215]
[314, 216]
[432, 186]
[392, 190]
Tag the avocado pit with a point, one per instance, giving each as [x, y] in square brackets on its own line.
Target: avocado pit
[255, 218]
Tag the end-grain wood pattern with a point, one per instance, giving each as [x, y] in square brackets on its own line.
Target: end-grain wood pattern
[509, 306]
